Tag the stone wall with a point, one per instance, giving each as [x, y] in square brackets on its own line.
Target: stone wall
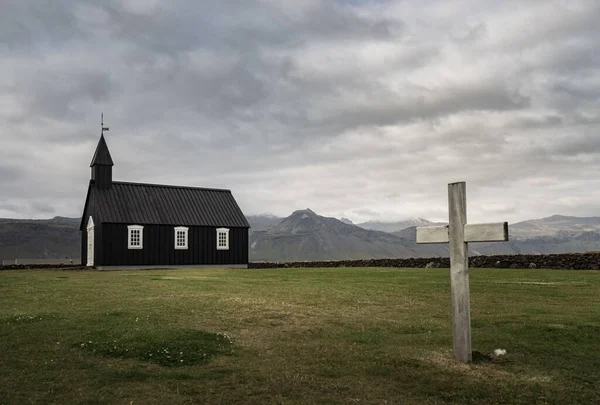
[49, 262]
[42, 266]
[570, 261]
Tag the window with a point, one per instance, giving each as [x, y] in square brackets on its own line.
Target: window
[222, 239]
[181, 237]
[135, 237]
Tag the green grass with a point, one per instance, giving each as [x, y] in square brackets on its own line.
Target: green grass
[295, 336]
[147, 341]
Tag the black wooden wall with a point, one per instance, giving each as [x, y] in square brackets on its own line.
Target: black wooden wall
[102, 176]
[159, 249]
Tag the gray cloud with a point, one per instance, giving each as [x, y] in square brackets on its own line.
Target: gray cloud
[362, 109]
[26, 24]
[42, 207]
[58, 94]
[10, 173]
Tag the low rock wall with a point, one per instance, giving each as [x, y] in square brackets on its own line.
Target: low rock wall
[570, 261]
[42, 266]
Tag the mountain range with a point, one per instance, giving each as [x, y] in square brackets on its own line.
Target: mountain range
[392, 227]
[305, 235]
[58, 237]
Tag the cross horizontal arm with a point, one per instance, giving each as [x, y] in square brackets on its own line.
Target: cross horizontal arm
[433, 234]
[490, 232]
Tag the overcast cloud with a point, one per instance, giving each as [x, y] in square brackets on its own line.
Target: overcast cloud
[362, 109]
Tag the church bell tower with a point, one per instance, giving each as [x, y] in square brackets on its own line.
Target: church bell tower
[102, 163]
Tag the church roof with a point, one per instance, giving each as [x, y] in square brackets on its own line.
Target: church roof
[102, 154]
[154, 204]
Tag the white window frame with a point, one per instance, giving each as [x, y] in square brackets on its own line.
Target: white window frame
[130, 229]
[224, 231]
[185, 233]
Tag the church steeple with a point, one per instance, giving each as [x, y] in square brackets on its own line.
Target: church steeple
[102, 165]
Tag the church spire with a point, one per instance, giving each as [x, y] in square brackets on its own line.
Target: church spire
[102, 154]
[102, 162]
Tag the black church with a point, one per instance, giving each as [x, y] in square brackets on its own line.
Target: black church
[137, 225]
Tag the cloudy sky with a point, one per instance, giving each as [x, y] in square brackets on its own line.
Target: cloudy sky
[362, 109]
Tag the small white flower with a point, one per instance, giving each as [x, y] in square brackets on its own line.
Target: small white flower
[500, 352]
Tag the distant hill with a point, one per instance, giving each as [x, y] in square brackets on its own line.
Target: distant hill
[556, 225]
[547, 236]
[392, 227]
[565, 243]
[262, 222]
[54, 238]
[305, 235]
[554, 234]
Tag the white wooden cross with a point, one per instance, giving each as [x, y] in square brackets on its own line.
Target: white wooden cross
[459, 233]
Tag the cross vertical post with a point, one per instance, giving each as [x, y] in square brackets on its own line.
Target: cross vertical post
[459, 272]
[458, 233]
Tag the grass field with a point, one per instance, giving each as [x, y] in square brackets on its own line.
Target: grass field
[295, 336]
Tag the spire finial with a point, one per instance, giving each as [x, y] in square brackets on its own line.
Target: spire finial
[102, 124]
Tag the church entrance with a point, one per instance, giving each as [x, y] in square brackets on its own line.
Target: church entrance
[90, 242]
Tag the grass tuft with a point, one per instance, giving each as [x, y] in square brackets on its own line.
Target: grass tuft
[27, 318]
[166, 347]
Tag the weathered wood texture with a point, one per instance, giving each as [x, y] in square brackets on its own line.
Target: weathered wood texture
[459, 233]
[459, 272]
[159, 247]
[433, 234]
[491, 232]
